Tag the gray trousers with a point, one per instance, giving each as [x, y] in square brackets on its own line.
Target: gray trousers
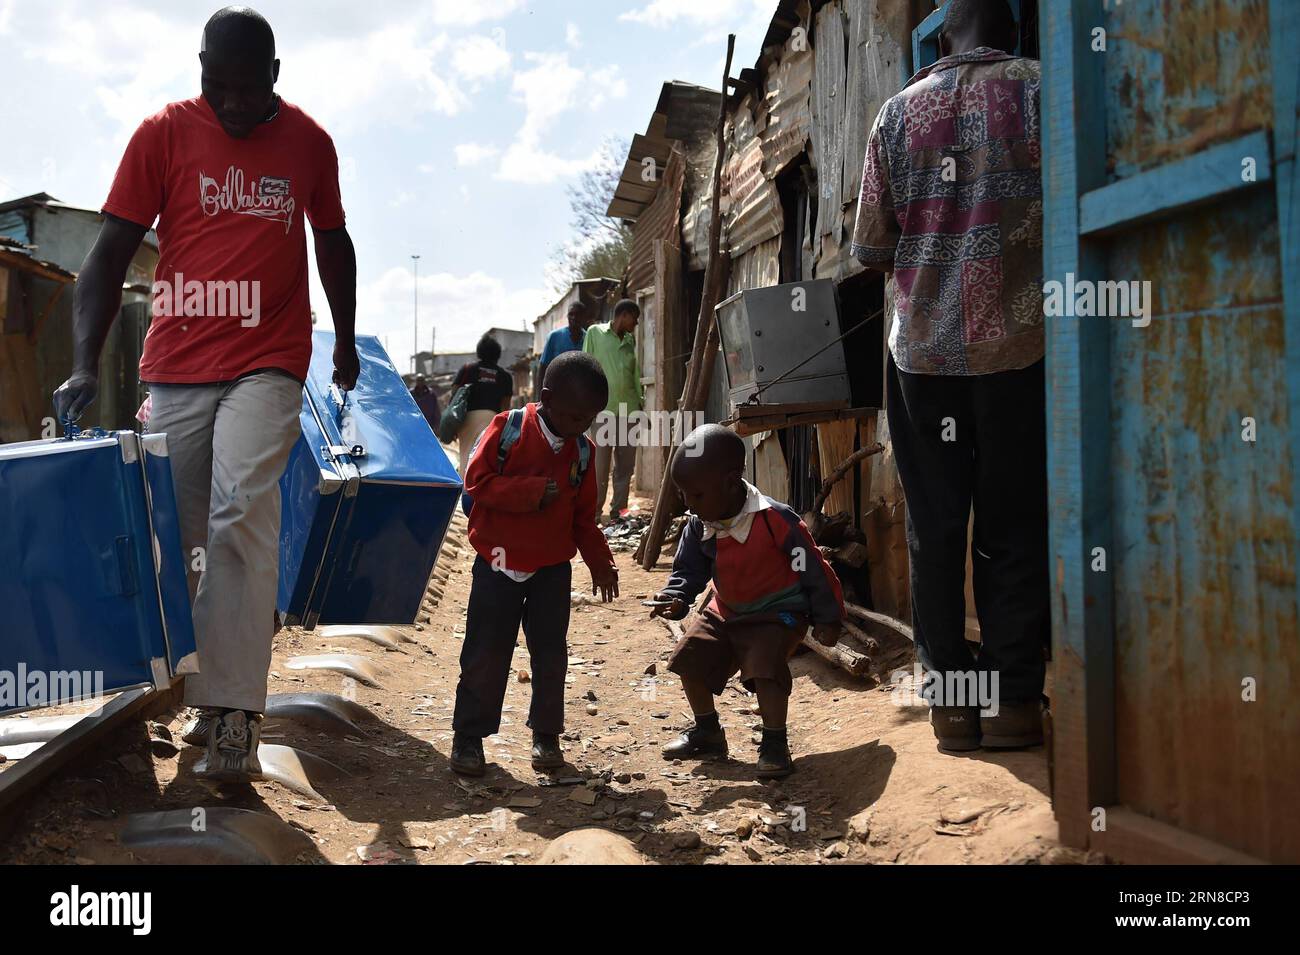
[228, 445]
[622, 456]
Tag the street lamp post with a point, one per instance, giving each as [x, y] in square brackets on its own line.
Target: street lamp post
[415, 289]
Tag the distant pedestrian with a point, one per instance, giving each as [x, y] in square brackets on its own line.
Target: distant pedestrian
[490, 389]
[568, 338]
[426, 399]
[614, 346]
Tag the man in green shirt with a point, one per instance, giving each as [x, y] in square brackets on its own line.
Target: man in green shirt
[614, 346]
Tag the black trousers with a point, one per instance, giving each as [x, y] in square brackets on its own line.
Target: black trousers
[497, 606]
[981, 440]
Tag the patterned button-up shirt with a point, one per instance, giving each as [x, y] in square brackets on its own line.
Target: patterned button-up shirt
[952, 197]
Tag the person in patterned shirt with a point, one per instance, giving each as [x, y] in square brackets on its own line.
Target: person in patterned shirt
[951, 207]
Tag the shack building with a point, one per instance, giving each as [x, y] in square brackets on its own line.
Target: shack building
[38, 331]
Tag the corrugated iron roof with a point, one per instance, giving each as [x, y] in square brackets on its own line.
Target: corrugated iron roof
[684, 113]
[15, 255]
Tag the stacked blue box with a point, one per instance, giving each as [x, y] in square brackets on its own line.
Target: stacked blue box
[93, 597]
[366, 497]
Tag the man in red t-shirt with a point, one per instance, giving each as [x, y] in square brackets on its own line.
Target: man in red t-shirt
[229, 177]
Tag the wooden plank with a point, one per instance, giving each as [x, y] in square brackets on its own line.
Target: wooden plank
[835, 441]
[1174, 187]
[747, 426]
[767, 410]
[1078, 367]
[1284, 33]
[21, 782]
[1131, 837]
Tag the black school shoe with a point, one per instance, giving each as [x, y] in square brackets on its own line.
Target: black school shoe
[698, 743]
[774, 756]
[1015, 726]
[957, 728]
[546, 751]
[467, 755]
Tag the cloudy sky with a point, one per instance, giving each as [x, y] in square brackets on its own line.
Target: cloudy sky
[458, 124]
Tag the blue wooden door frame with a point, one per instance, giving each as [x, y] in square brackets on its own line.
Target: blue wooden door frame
[1080, 211]
[925, 38]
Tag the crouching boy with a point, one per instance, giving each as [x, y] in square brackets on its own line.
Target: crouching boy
[534, 506]
[770, 582]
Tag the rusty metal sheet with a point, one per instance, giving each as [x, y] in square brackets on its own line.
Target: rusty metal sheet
[1182, 75]
[661, 220]
[787, 101]
[1203, 565]
[751, 205]
[759, 267]
[828, 99]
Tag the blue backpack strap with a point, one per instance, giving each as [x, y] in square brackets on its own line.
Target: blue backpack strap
[509, 436]
[584, 457]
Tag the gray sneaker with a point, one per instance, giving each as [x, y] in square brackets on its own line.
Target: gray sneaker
[231, 756]
[197, 729]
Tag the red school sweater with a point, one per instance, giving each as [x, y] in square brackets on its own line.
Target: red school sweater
[505, 521]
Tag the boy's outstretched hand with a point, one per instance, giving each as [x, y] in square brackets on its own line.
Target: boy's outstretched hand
[674, 609]
[827, 634]
[605, 584]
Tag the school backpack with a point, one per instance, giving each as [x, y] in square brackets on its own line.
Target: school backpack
[509, 438]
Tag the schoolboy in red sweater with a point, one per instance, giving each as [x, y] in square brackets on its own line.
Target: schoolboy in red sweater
[770, 583]
[534, 507]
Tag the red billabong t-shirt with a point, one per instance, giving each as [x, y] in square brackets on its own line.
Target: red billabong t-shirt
[230, 290]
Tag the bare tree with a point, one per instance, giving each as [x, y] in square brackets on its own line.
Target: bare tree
[599, 245]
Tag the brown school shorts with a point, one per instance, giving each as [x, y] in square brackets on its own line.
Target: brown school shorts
[758, 646]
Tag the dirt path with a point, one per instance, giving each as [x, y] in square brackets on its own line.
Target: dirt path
[870, 785]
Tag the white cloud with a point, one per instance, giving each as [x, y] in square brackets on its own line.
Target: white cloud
[479, 57]
[710, 20]
[572, 35]
[552, 87]
[460, 13]
[471, 154]
[664, 13]
[606, 84]
[460, 307]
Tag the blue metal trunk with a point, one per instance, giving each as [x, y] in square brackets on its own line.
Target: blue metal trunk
[93, 579]
[366, 497]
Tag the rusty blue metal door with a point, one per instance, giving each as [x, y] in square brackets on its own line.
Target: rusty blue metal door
[1169, 159]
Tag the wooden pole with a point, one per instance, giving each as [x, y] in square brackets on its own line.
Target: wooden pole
[699, 373]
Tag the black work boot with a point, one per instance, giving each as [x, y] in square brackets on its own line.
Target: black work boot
[704, 740]
[774, 755]
[957, 728]
[1016, 725]
[546, 751]
[467, 755]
